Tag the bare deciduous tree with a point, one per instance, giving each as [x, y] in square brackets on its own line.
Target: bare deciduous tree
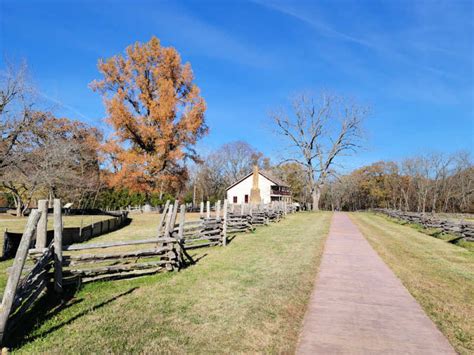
[41, 154]
[319, 130]
[16, 112]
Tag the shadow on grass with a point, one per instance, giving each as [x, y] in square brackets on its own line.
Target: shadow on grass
[199, 258]
[47, 308]
[51, 304]
[456, 240]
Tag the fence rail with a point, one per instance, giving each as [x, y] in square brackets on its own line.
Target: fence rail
[70, 235]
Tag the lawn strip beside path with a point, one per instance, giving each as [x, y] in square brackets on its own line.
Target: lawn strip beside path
[439, 275]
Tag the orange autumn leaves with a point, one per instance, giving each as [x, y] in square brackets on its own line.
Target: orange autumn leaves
[157, 115]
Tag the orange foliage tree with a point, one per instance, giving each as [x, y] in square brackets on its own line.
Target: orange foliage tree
[157, 115]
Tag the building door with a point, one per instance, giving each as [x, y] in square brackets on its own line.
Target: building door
[235, 199]
[246, 198]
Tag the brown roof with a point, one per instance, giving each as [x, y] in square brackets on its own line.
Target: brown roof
[264, 173]
[273, 178]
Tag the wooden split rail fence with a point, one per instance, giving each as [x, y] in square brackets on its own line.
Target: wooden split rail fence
[25, 284]
[47, 268]
[460, 228]
[41, 268]
[70, 235]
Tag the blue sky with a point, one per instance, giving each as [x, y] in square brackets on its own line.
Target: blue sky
[411, 61]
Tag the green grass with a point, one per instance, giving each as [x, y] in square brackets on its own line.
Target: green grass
[244, 298]
[438, 274]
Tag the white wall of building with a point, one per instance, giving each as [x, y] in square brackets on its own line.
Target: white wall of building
[243, 188]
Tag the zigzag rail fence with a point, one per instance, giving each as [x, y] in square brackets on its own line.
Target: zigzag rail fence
[119, 219]
[462, 229]
[40, 267]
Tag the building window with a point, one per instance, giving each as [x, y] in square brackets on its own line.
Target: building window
[246, 198]
[235, 199]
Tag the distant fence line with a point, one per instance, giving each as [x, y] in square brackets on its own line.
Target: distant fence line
[195, 208]
[55, 263]
[463, 229]
[11, 240]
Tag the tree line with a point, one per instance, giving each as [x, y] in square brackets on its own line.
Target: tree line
[433, 182]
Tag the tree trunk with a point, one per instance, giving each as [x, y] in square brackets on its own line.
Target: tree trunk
[424, 202]
[316, 195]
[17, 201]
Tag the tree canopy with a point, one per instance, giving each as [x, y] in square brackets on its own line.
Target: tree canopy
[318, 130]
[157, 114]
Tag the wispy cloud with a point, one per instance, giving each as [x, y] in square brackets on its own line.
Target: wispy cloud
[206, 39]
[61, 104]
[319, 25]
[378, 44]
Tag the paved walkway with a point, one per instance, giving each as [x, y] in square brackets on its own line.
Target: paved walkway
[358, 305]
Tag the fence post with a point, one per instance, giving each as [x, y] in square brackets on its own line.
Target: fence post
[168, 221]
[42, 228]
[173, 216]
[218, 210]
[224, 223]
[58, 246]
[201, 210]
[182, 214]
[208, 209]
[80, 228]
[162, 218]
[14, 278]
[242, 207]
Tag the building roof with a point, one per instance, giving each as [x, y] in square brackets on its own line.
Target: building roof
[265, 174]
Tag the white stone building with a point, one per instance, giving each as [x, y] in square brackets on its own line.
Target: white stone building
[271, 189]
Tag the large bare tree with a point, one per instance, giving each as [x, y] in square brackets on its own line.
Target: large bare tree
[319, 130]
[40, 154]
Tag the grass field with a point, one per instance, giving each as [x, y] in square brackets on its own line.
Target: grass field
[247, 297]
[438, 274]
[17, 224]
